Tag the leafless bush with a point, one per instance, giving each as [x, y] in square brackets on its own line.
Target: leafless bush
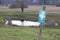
[18, 4]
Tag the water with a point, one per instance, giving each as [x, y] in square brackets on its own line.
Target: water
[24, 23]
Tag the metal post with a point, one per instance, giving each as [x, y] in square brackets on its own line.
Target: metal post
[40, 33]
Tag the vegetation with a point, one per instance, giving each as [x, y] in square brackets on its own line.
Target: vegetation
[27, 16]
[26, 33]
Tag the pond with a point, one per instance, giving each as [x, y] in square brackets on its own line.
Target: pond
[24, 23]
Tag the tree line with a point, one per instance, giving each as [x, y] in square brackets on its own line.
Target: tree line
[40, 2]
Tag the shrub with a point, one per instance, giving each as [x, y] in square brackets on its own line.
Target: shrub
[18, 4]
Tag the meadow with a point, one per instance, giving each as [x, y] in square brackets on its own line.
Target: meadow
[27, 33]
[32, 16]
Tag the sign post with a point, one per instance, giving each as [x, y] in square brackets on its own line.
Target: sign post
[40, 34]
[41, 20]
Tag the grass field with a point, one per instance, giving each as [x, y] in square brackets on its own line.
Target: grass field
[27, 16]
[26, 33]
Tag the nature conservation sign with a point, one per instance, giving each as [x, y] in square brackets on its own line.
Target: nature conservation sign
[42, 16]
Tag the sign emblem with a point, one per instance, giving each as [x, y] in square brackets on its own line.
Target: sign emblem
[42, 16]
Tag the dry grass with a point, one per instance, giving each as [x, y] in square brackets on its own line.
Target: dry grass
[50, 9]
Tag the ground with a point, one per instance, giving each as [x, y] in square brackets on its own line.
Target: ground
[27, 33]
[34, 8]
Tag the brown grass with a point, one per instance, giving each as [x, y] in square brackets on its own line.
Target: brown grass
[50, 9]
